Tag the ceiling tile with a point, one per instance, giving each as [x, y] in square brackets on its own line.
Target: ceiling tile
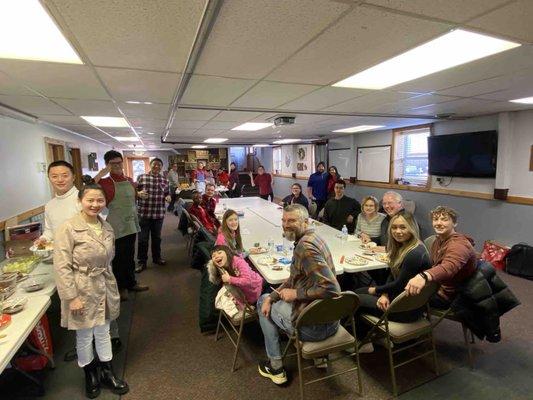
[263, 34]
[63, 119]
[55, 79]
[9, 86]
[467, 107]
[185, 114]
[157, 111]
[360, 40]
[139, 34]
[236, 116]
[181, 124]
[323, 97]
[404, 105]
[136, 85]
[219, 125]
[214, 90]
[272, 94]
[33, 105]
[451, 10]
[369, 102]
[513, 20]
[90, 107]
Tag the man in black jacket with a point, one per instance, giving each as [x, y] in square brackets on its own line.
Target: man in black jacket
[341, 210]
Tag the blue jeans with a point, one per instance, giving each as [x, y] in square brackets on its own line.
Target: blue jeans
[280, 317]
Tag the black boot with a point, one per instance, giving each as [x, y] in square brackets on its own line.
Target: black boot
[92, 383]
[109, 379]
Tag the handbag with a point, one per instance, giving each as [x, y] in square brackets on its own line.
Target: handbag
[495, 253]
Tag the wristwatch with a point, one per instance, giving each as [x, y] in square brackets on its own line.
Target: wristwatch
[423, 275]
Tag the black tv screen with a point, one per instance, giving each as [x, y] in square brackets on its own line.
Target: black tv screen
[463, 154]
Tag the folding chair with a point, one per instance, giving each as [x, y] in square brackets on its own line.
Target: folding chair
[321, 312]
[401, 332]
[248, 314]
[450, 315]
[191, 230]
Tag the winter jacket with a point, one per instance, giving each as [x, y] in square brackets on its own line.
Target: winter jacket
[481, 300]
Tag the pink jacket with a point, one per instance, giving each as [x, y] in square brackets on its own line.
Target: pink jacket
[249, 281]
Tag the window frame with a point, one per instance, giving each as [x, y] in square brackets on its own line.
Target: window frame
[396, 133]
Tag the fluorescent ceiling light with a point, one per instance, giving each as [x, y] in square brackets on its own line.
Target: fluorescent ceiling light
[454, 48]
[252, 126]
[138, 102]
[525, 100]
[109, 122]
[359, 128]
[150, 133]
[28, 33]
[261, 145]
[199, 146]
[215, 140]
[287, 141]
[127, 138]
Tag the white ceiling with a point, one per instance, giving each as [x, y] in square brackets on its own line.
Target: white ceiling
[264, 59]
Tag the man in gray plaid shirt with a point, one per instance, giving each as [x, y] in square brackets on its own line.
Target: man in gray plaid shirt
[153, 191]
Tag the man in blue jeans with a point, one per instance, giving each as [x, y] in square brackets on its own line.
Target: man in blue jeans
[312, 276]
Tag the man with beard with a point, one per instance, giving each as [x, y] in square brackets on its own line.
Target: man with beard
[317, 190]
[312, 276]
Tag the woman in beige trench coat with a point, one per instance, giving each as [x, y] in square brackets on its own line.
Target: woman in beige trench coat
[83, 250]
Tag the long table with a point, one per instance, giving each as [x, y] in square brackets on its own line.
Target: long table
[23, 322]
[262, 221]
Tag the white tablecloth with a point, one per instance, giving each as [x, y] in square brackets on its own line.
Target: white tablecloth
[262, 220]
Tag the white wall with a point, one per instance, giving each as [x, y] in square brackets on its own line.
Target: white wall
[521, 176]
[22, 147]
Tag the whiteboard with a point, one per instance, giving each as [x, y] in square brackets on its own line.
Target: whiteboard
[342, 159]
[373, 164]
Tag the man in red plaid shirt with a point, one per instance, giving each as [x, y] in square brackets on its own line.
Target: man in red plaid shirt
[153, 191]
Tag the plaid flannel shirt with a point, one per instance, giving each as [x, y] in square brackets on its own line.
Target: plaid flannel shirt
[158, 188]
[312, 273]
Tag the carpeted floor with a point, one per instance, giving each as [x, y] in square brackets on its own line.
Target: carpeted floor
[169, 358]
[166, 357]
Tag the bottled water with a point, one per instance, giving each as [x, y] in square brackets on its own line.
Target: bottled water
[344, 231]
[224, 206]
[270, 245]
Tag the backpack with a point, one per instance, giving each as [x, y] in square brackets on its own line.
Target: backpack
[519, 261]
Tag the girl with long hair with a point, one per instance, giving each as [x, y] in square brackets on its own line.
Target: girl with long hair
[408, 257]
[229, 234]
[333, 177]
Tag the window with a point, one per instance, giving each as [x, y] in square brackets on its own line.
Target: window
[276, 160]
[411, 155]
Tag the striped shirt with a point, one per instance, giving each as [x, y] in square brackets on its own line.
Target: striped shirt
[157, 187]
[371, 228]
[312, 273]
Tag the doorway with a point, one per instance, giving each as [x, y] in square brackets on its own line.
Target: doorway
[75, 156]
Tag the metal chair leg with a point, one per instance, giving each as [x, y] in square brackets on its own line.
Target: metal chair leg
[468, 346]
[392, 371]
[434, 351]
[218, 325]
[237, 344]
[300, 372]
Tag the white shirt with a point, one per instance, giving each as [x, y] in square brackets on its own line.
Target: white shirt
[58, 210]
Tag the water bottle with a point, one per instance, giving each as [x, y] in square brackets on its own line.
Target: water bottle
[224, 207]
[271, 245]
[344, 231]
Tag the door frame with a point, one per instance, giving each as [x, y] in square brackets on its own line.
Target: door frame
[129, 164]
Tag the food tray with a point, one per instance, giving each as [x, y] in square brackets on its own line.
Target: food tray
[24, 264]
[356, 260]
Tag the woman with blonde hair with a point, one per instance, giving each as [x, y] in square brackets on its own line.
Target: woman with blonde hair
[408, 257]
[369, 220]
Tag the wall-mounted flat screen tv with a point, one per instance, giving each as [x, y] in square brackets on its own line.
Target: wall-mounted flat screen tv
[463, 154]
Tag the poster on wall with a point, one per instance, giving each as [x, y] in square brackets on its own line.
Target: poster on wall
[304, 159]
[287, 160]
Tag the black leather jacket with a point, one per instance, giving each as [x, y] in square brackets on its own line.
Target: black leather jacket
[482, 300]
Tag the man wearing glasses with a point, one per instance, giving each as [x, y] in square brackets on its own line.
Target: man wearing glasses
[121, 194]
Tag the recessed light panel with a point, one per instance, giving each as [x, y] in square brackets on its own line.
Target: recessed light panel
[108, 122]
[287, 141]
[359, 128]
[252, 126]
[199, 146]
[525, 100]
[215, 140]
[454, 48]
[126, 138]
[28, 33]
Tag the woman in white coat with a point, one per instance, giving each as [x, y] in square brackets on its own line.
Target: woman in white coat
[83, 250]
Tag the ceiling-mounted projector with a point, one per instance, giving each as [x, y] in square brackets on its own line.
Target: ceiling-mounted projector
[284, 120]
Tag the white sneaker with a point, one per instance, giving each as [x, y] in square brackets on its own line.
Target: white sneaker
[366, 348]
[321, 362]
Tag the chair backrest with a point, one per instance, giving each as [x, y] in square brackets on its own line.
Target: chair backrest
[249, 191]
[187, 215]
[320, 215]
[328, 310]
[404, 302]
[312, 208]
[238, 294]
[428, 242]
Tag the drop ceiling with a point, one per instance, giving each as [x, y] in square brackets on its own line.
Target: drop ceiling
[263, 59]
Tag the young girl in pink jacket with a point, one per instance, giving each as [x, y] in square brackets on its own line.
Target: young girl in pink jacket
[228, 268]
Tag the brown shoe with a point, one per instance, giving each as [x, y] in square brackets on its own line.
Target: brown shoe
[139, 288]
[123, 294]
